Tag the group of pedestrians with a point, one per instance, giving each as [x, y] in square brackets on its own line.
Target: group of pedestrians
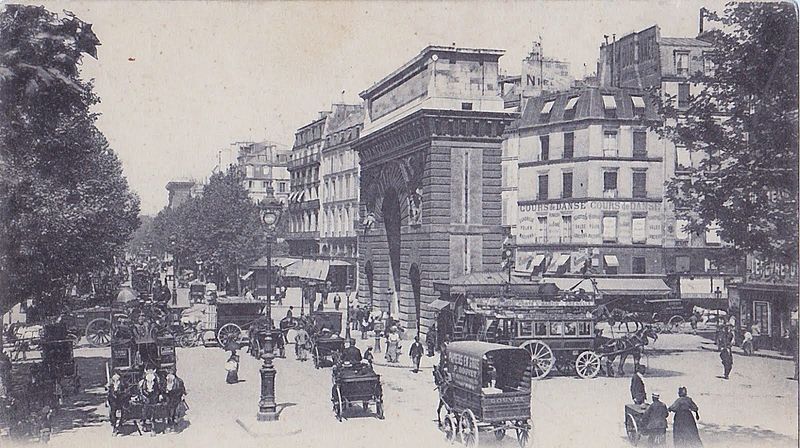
[684, 424]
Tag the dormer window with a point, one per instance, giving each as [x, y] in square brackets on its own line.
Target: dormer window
[548, 106]
[569, 109]
[610, 106]
[638, 105]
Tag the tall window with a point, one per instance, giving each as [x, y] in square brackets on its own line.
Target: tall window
[545, 142]
[566, 229]
[569, 145]
[639, 184]
[566, 185]
[638, 265]
[543, 194]
[761, 316]
[610, 228]
[712, 234]
[683, 158]
[541, 236]
[639, 144]
[682, 63]
[609, 143]
[683, 95]
[639, 229]
[610, 184]
[681, 234]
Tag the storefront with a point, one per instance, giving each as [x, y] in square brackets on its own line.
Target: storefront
[768, 298]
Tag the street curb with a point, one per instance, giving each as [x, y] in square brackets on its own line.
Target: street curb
[754, 355]
[399, 366]
[258, 434]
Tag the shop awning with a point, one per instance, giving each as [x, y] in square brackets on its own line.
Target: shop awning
[703, 288]
[559, 263]
[439, 304]
[611, 260]
[248, 275]
[308, 269]
[632, 286]
[340, 263]
[528, 262]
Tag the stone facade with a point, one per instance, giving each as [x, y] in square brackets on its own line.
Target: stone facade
[430, 179]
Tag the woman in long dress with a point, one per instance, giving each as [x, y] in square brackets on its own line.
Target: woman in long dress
[684, 427]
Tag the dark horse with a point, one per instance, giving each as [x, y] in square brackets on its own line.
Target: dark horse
[629, 344]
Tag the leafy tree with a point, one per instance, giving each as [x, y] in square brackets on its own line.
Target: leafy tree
[222, 228]
[743, 126]
[65, 206]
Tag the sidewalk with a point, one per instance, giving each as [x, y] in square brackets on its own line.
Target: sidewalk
[762, 353]
[404, 361]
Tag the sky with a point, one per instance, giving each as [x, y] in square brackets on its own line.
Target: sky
[181, 80]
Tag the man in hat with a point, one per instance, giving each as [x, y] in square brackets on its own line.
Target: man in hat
[351, 353]
[727, 361]
[416, 353]
[655, 418]
[638, 393]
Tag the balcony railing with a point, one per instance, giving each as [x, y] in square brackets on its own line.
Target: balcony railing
[302, 161]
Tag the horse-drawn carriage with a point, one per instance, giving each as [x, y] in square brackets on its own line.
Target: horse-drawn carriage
[326, 339]
[556, 327]
[484, 387]
[357, 384]
[142, 354]
[58, 371]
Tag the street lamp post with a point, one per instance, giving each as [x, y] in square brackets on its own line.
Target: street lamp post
[173, 244]
[267, 409]
[347, 291]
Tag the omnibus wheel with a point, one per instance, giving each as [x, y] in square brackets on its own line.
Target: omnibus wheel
[587, 364]
[542, 358]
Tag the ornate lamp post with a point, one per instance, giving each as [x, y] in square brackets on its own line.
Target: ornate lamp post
[267, 410]
[173, 244]
[347, 291]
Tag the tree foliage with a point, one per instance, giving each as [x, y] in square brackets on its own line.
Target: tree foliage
[743, 125]
[222, 228]
[65, 206]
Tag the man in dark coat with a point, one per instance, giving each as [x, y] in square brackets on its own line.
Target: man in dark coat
[430, 340]
[416, 353]
[655, 418]
[638, 393]
[727, 361]
[351, 353]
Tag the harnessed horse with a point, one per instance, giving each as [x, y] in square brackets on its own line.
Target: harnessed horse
[629, 344]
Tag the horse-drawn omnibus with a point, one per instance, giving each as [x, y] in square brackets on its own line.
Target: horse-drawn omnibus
[556, 327]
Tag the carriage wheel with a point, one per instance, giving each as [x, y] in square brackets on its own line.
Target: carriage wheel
[587, 364]
[226, 331]
[468, 427]
[632, 429]
[98, 332]
[661, 327]
[499, 434]
[675, 323]
[379, 408]
[187, 340]
[341, 403]
[523, 437]
[449, 428]
[542, 358]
